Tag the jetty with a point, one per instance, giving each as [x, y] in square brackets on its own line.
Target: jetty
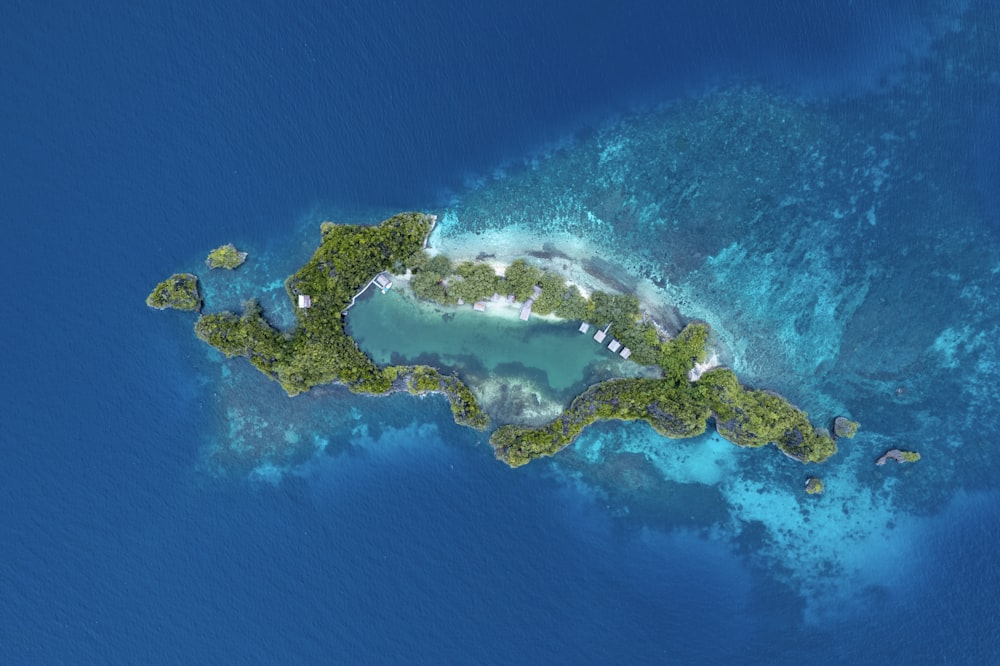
[381, 280]
[526, 308]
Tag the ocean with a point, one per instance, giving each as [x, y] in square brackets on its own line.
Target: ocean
[819, 182]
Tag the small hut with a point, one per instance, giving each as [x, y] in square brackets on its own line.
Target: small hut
[614, 345]
[600, 335]
[304, 301]
[479, 306]
[584, 327]
[625, 352]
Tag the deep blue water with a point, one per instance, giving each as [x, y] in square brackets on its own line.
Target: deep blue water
[134, 138]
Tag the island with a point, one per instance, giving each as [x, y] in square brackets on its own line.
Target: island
[179, 291]
[226, 256]
[350, 258]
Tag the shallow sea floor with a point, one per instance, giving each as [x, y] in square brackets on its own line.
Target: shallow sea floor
[829, 246]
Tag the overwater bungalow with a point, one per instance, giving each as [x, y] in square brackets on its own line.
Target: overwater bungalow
[584, 327]
[600, 335]
[304, 301]
[479, 306]
[614, 345]
[625, 352]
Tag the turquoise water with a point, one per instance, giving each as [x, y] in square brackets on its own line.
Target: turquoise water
[520, 371]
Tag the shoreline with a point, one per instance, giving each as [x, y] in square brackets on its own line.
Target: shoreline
[574, 259]
[501, 308]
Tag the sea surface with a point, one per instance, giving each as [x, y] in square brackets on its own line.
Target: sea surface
[818, 181]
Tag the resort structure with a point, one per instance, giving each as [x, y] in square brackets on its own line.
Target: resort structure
[304, 301]
[383, 282]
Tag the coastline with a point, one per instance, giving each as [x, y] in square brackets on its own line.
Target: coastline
[580, 263]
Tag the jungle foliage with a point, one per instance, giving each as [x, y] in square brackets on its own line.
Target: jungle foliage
[675, 408]
[318, 350]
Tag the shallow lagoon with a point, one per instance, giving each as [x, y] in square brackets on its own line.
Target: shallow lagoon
[495, 353]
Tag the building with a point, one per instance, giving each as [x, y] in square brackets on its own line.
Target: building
[625, 352]
[382, 282]
[479, 306]
[584, 327]
[600, 335]
[614, 345]
[304, 301]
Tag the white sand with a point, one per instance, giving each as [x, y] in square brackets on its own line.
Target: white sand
[695, 373]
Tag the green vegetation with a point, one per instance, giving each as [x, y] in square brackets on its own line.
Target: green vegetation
[675, 408]
[317, 350]
[909, 456]
[438, 280]
[844, 427]
[179, 291]
[814, 486]
[226, 256]
[464, 406]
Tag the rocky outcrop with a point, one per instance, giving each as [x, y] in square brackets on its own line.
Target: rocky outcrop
[899, 456]
[844, 427]
[814, 486]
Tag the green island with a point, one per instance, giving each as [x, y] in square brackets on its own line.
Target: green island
[350, 258]
[226, 256]
[179, 291]
[814, 486]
